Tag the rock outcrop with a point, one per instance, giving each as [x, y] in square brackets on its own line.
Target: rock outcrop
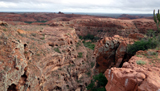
[42, 58]
[134, 76]
[110, 52]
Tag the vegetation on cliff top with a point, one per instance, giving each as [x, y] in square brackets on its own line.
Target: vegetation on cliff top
[152, 40]
[143, 44]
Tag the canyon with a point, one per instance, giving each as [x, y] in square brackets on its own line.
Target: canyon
[44, 52]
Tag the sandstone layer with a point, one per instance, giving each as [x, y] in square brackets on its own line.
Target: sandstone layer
[42, 58]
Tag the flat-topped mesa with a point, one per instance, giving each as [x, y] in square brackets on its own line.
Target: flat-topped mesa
[102, 27]
[43, 58]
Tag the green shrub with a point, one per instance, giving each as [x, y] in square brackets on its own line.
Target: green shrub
[33, 34]
[23, 35]
[140, 62]
[100, 30]
[89, 45]
[4, 29]
[139, 56]
[42, 38]
[80, 54]
[80, 37]
[142, 45]
[101, 81]
[57, 50]
[152, 53]
[89, 37]
[88, 73]
[78, 44]
[38, 54]
[41, 21]
[92, 64]
[29, 22]
[150, 33]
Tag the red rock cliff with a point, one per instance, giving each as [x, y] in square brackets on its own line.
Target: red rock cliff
[42, 58]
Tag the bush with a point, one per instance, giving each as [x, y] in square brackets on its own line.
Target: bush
[140, 62]
[151, 33]
[101, 81]
[89, 45]
[142, 45]
[29, 22]
[33, 34]
[57, 50]
[92, 64]
[80, 54]
[89, 37]
[4, 29]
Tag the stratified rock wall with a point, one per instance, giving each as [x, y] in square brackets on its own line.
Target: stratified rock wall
[42, 58]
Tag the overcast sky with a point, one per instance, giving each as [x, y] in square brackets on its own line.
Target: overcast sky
[90, 6]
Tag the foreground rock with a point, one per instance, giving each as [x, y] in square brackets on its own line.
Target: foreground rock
[135, 76]
[41, 58]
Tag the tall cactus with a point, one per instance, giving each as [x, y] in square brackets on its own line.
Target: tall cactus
[157, 19]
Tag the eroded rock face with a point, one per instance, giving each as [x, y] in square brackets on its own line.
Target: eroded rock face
[109, 52]
[112, 51]
[41, 58]
[133, 77]
[12, 61]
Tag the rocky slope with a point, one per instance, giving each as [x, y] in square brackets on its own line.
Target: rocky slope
[42, 58]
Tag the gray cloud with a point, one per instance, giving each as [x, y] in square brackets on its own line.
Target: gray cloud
[103, 6]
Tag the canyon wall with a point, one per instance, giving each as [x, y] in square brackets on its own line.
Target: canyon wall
[42, 58]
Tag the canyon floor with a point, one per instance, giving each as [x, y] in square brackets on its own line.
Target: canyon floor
[62, 52]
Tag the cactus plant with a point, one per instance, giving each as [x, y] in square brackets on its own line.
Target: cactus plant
[157, 19]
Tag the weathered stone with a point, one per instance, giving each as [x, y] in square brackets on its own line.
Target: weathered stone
[132, 78]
